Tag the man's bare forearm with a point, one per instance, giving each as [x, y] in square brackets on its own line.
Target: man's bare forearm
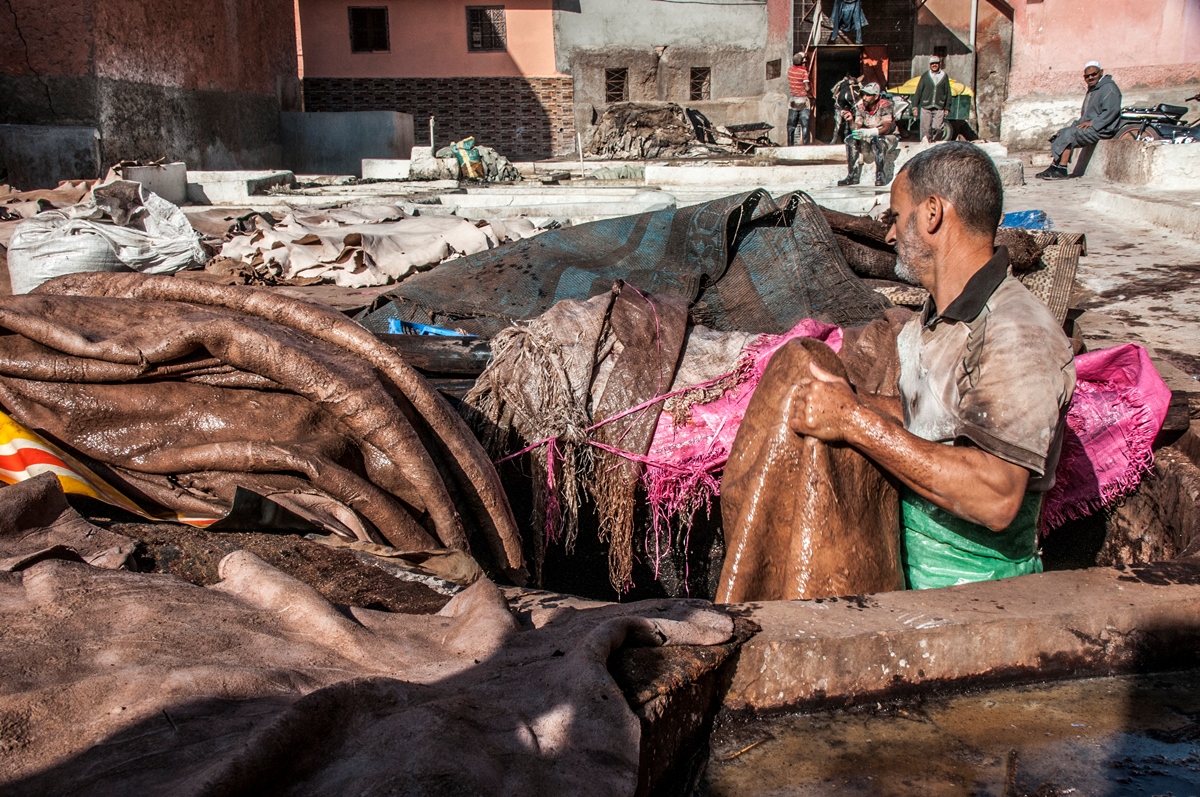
[967, 482]
[887, 406]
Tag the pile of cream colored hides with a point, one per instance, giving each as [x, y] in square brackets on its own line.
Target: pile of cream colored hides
[366, 245]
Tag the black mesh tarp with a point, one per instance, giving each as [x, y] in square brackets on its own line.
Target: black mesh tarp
[743, 262]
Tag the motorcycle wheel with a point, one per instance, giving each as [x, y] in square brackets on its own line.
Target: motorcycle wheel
[1134, 132]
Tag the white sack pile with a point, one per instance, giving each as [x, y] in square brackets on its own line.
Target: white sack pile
[120, 227]
[366, 245]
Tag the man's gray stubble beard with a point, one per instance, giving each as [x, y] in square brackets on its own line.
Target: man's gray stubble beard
[910, 256]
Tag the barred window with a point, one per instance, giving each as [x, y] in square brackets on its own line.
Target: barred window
[774, 69]
[701, 86]
[485, 29]
[369, 29]
[616, 84]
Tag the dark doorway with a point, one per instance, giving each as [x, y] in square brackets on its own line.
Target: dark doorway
[833, 64]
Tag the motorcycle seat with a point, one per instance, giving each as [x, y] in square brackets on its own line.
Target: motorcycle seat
[1172, 110]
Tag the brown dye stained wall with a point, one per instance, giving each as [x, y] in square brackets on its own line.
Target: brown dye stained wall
[198, 80]
[206, 45]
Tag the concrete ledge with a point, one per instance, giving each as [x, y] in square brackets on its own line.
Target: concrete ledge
[1178, 211]
[1147, 163]
[814, 153]
[386, 169]
[822, 167]
[168, 180]
[569, 203]
[232, 188]
[792, 178]
[1012, 171]
[1071, 623]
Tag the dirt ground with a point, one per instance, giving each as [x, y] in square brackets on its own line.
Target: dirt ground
[194, 554]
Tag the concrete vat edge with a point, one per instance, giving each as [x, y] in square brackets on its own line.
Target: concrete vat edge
[1066, 623]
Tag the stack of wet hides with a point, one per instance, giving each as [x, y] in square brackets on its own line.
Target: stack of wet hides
[620, 397]
[863, 242]
[178, 393]
[119, 682]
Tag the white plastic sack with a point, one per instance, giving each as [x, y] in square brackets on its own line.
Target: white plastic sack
[121, 227]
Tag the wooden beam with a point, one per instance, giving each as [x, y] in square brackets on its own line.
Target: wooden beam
[432, 354]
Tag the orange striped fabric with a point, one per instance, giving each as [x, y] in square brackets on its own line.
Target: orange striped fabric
[796, 77]
[25, 454]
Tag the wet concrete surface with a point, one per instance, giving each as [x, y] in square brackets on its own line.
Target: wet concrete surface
[1145, 276]
[1133, 735]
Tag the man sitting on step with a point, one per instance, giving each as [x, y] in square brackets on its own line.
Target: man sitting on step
[871, 134]
[1098, 119]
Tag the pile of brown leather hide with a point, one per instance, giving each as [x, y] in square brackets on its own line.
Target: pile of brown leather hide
[863, 241]
[803, 518]
[135, 683]
[572, 368]
[180, 392]
[642, 130]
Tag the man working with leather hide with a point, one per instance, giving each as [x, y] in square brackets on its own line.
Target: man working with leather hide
[986, 376]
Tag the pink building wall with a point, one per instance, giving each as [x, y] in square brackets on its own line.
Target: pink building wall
[1141, 43]
[428, 40]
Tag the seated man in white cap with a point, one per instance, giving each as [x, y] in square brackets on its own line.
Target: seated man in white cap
[1098, 119]
[871, 135]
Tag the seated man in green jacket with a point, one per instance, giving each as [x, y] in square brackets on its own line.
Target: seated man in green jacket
[986, 376]
[932, 100]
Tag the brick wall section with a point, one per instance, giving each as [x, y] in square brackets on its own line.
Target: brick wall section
[522, 118]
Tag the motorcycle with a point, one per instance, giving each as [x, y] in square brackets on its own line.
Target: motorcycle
[1163, 122]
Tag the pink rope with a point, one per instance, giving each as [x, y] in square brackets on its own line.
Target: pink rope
[639, 408]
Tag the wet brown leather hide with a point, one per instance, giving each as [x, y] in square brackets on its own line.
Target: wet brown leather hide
[179, 392]
[125, 683]
[806, 519]
[651, 335]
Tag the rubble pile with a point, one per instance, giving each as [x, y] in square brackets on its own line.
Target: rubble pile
[636, 130]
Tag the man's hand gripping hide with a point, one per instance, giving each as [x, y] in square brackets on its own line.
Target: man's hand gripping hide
[823, 406]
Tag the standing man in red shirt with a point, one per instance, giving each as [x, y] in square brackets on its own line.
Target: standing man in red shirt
[800, 101]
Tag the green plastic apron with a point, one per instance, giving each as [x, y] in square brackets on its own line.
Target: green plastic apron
[941, 550]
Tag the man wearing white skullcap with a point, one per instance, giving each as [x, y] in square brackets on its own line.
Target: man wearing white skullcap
[1098, 119]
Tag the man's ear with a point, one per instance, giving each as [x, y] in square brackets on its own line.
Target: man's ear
[933, 213]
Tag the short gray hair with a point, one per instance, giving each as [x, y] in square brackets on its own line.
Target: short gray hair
[963, 175]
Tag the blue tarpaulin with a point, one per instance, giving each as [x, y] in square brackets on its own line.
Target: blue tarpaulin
[1028, 220]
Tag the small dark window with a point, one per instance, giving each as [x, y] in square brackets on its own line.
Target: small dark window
[485, 29]
[774, 69]
[369, 29]
[616, 84]
[701, 86]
